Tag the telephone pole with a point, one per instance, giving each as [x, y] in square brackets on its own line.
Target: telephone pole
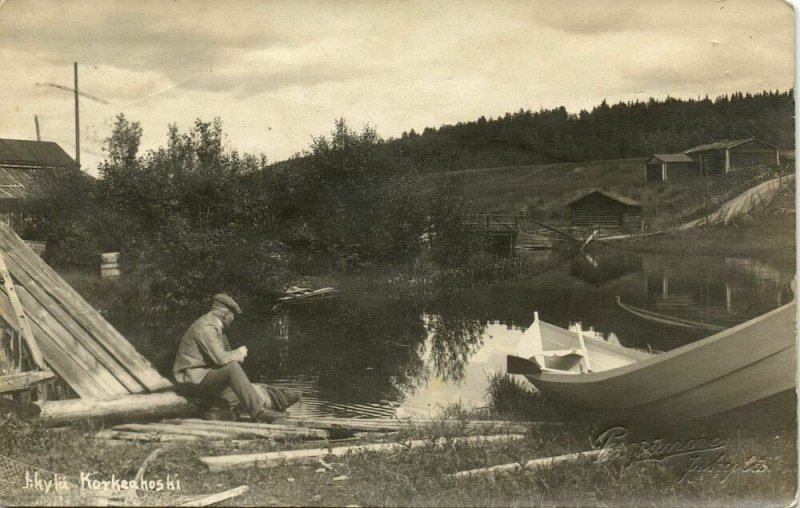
[77, 121]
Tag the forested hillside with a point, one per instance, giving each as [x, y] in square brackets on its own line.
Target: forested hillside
[623, 130]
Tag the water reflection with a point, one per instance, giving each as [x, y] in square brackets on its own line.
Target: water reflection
[366, 354]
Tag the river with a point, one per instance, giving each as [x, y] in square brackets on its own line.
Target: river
[364, 353]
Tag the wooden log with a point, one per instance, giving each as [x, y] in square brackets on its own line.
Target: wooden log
[278, 432]
[500, 468]
[272, 459]
[84, 313]
[541, 463]
[173, 429]
[149, 437]
[218, 497]
[151, 405]
[569, 457]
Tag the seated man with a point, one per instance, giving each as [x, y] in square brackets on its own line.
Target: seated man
[206, 362]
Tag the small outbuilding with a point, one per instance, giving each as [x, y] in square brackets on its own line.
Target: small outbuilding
[606, 210]
[662, 167]
[22, 163]
[726, 156]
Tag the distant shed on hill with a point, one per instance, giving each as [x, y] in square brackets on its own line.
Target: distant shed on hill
[661, 166]
[606, 210]
[21, 163]
[726, 156]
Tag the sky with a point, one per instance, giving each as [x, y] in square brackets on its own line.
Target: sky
[279, 73]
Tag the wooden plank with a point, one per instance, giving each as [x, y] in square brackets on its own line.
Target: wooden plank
[272, 459]
[33, 296]
[23, 326]
[248, 429]
[151, 405]
[83, 313]
[70, 346]
[218, 497]
[71, 371]
[71, 368]
[174, 429]
[149, 437]
[246, 425]
[23, 380]
[89, 319]
[387, 425]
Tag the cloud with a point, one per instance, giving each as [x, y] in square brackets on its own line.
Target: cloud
[280, 72]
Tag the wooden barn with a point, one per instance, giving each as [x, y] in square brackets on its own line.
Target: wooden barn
[662, 167]
[21, 163]
[606, 210]
[728, 155]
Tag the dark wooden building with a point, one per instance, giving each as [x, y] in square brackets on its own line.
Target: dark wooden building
[606, 210]
[21, 163]
[728, 155]
[662, 167]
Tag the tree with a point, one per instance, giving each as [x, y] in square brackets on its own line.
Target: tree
[358, 201]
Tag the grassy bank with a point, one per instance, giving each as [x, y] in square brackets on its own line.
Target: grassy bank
[543, 191]
[768, 235]
[416, 477]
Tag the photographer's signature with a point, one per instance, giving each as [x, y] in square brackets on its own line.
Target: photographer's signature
[703, 456]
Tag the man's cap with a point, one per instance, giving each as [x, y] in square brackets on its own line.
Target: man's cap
[228, 302]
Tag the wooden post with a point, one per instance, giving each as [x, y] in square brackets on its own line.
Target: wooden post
[36, 121]
[705, 184]
[727, 161]
[22, 320]
[77, 121]
[584, 352]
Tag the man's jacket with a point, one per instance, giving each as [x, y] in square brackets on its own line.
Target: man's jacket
[204, 346]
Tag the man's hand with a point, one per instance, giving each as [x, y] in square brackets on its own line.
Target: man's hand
[242, 350]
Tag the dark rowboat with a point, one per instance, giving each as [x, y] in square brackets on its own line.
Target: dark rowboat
[668, 320]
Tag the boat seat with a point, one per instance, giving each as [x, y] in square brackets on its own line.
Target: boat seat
[555, 353]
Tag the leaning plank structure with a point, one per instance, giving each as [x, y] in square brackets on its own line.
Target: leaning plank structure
[75, 341]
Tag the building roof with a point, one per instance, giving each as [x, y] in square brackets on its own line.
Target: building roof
[672, 157]
[20, 152]
[610, 195]
[721, 145]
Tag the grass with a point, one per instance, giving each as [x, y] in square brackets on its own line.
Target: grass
[767, 234]
[543, 191]
[416, 477]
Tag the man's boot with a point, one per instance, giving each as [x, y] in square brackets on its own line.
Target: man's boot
[269, 416]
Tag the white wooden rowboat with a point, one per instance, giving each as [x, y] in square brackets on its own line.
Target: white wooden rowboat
[734, 367]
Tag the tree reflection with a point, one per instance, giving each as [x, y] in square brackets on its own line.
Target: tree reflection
[360, 349]
[454, 337]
